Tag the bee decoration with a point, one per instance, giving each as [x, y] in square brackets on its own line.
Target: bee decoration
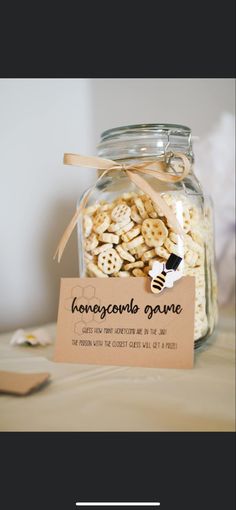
[165, 274]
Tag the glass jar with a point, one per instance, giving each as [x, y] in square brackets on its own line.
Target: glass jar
[112, 242]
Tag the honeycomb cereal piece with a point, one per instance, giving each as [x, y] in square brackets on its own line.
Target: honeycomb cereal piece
[190, 258]
[157, 209]
[162, 252]
[201, 308]
[91, 242]
[120, 213]
[101, 222]
[109, 261]
[201, 259]
[134, 265]
[194, 214]
[154, 232]
[131, 234]
[146, 269]
[88, 225]
[105, 207]
[196, 236]
[109, 238]
[175, 238]
[186, 220]
[88, 257]
[169, 200]
[182, 218]
[190, 243]
[122, 274]
[172, 247]
[135, 215]
[141, 209]
[91, 209]
[150, 209]
[154, 214]
[139, 250]
[125, 255]
[138, 272]
[93, 269]
[114, 227]
[134, 243]
[102, 248]
[148, 255]
[200, 295]
[195, 271]
[177, 246]
[143, 196]
[129, 196]
[125, 228]
[200, 311]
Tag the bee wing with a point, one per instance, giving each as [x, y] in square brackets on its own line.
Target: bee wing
[171, 277]
[156, 269]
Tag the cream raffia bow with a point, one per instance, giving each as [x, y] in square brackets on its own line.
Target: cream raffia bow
[157, 168]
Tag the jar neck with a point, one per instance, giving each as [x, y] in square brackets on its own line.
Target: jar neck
[145, 141]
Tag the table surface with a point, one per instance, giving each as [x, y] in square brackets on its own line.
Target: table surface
[108, 398]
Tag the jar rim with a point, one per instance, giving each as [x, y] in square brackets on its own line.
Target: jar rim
[176, 129]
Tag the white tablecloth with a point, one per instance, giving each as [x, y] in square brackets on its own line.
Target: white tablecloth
[97, 398]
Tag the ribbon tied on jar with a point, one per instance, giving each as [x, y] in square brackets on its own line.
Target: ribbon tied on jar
[172, 167]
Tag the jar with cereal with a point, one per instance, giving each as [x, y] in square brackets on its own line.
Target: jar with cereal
[122, 231]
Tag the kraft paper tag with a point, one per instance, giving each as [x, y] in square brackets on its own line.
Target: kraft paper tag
[19, 383]
[115, 321]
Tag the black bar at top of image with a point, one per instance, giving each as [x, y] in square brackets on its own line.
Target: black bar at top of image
[52, 471]
[148, 39]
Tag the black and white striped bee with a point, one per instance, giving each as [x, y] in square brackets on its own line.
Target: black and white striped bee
[164, 274]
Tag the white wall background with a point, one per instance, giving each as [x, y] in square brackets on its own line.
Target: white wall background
[41, 119]
[197, 103]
